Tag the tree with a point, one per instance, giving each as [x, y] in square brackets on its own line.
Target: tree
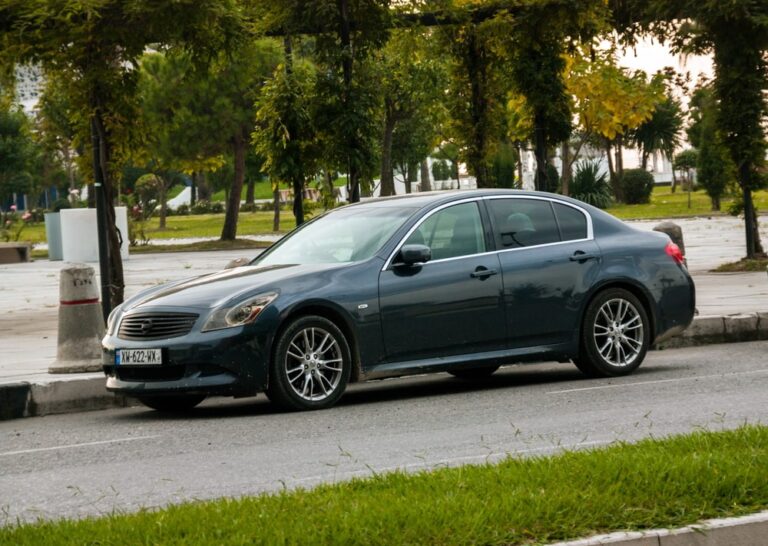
[412, 85]
[736, 33]
[17, 153]
[285, 132]
[715, 170]
[345, 34]
[98, 46]
[659, 133]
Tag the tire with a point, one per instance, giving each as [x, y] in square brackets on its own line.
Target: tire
[615, 335]
[474, 373]
[311, 365]
[172, 404]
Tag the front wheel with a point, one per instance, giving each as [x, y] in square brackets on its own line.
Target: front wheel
[172, 403]
[615, 335]
[311, 365]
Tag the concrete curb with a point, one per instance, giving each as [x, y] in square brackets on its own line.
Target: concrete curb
[57, 395]
[706, 330]
[83, 392]
[749, 530]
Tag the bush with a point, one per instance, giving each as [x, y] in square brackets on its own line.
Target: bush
[637, 186]
[182, 210]
[206, 207]
[61, 203]
[590, 185]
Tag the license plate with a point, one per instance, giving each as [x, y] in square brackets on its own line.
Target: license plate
[138, 357]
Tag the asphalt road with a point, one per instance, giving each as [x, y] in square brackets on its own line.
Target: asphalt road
[93, 463]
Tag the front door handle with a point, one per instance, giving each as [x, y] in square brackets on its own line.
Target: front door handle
[581, 257]
[483, 273]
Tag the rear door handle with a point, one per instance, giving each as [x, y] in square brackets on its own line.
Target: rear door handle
[483, 273]
[580, 256]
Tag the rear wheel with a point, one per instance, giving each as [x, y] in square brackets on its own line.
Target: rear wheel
[311, 365]
[171, 403]
[474, 373]
[615, 335]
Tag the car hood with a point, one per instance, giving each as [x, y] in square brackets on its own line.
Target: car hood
[215, 289]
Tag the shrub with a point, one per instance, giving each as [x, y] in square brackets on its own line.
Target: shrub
[182, 210]
[217, 207]
[61, 203]
[637, 186]
[590, 185]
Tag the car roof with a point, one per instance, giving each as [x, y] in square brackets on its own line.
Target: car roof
[425, 199]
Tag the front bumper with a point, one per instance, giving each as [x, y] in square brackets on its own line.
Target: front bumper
[229, 362]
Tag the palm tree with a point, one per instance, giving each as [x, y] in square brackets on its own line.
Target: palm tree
[661, 133]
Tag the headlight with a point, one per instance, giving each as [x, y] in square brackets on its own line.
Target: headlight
[112, 319]
[240, 313]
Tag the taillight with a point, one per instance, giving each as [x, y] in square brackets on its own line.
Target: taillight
[673, 250]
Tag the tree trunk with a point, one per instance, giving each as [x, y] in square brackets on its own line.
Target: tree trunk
[476, 69]
[298, 201]
[565, 179]
[114, 237]
[276, 207]
[540, 151]
[620, 156]
[163, 196]
[387, 176]
[754, 246]
[250, 190]
[203, 189]
[644, 161]
[674, 181]
[519, 184]
[715, 203]
[229, 231]
[426, 184]
[193, 188]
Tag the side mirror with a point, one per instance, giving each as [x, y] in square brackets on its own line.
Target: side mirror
[414, 254]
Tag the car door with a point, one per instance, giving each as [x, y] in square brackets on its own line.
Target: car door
[549, 261]
[450, 305]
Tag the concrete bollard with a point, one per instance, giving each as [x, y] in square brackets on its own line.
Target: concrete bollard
[81, 325]
[675, 233]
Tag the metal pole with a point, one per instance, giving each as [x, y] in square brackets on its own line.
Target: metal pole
[101, 221]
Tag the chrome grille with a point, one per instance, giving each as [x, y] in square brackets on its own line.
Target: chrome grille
[156, 325]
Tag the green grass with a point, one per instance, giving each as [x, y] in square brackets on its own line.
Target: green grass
[654, 483]
[665, 204]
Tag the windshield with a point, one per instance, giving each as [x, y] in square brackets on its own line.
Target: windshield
[346, 235]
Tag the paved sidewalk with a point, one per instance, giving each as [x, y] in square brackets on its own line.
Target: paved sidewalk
[30, 292]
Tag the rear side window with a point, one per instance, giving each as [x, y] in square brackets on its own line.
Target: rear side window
[573, 223]
[523, 222]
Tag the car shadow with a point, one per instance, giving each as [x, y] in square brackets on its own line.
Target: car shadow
[397, 389]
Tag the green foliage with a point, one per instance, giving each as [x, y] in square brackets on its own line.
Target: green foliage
[591, 185]
[637, 186]
[654, 483]
[715, 170]
[661, 132]
[503, 165]
[17, 153]
[441, 170]
[61, 203]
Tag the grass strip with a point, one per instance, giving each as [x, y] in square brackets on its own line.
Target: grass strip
[745, 264]
[654, 483]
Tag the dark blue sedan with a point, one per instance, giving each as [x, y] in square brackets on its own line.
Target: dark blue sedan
[459, 282]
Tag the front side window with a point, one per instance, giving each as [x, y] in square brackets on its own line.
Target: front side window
[523, 222]
[452, 232]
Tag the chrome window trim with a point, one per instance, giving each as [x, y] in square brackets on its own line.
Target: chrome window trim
[424, 219]
[590, 231]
